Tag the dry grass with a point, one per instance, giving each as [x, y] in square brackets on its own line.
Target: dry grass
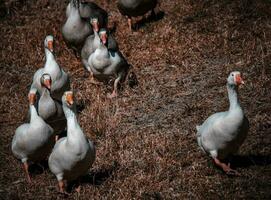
[145, 139]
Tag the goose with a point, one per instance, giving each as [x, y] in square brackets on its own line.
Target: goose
[73, 155]
[60, 79]
[135, 8]
[104, 64]
[223, 133]
[49, 109]
[32, 141]
[90, 10]
[76, 29]
[93, 41]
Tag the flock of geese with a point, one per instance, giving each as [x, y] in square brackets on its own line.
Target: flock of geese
[53, 109]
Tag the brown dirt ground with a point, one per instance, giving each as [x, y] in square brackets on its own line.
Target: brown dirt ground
[145, 139]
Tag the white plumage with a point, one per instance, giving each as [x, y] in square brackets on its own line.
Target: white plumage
[60, 79]
[104, 64]
[223, 133]
[73, 155]
[32, 141]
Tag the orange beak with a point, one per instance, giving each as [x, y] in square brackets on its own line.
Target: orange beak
[104, 38]
[47, 83]
[32, 98]
[69, 99]
[239, 80]
[50, 45]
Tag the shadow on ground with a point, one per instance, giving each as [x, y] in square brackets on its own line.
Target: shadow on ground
[151, 18]
[245, 161]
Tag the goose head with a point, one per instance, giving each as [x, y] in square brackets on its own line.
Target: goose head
[235, 79]
[94, 23]
[49, 43]
[103, 36]
[67, 99]
[46, 81]
[32, 96]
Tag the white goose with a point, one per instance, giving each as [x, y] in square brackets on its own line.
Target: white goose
[49, 109]
[90, 10]
[76, 29]
[93, 41]
[223, 133]
[32, 141]
[73, 155]
[60, 79]
[104, 63]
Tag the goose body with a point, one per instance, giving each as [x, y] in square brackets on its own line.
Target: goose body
[104, 64]
[223, 133]
[134, 8]
[73, 155]
[33, 141]
[51, 111]
[93, 42]
[76, 29]
[90, 10]
[60, 79]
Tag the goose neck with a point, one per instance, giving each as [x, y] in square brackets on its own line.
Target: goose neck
[102, 52]
[33, 113]
[74, 132]
[233, 97]
[70, 116]
[48, 54]
[51, 66]
[45, 93]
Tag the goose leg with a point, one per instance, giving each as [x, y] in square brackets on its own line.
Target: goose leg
[115, 90]
[91, 74]
[78, 188]
[226, 167]
[86, 65]
[25, 166]
[61, 186]
[130, 23]
[92, 79]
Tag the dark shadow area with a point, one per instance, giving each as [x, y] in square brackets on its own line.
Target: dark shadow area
[38, 168]
[250, 160]
[113, 29]
[94, 178]
[62, 134]
[243, 161]
[132, 80]
[80, 106]
[100, 176]
[151, 18]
